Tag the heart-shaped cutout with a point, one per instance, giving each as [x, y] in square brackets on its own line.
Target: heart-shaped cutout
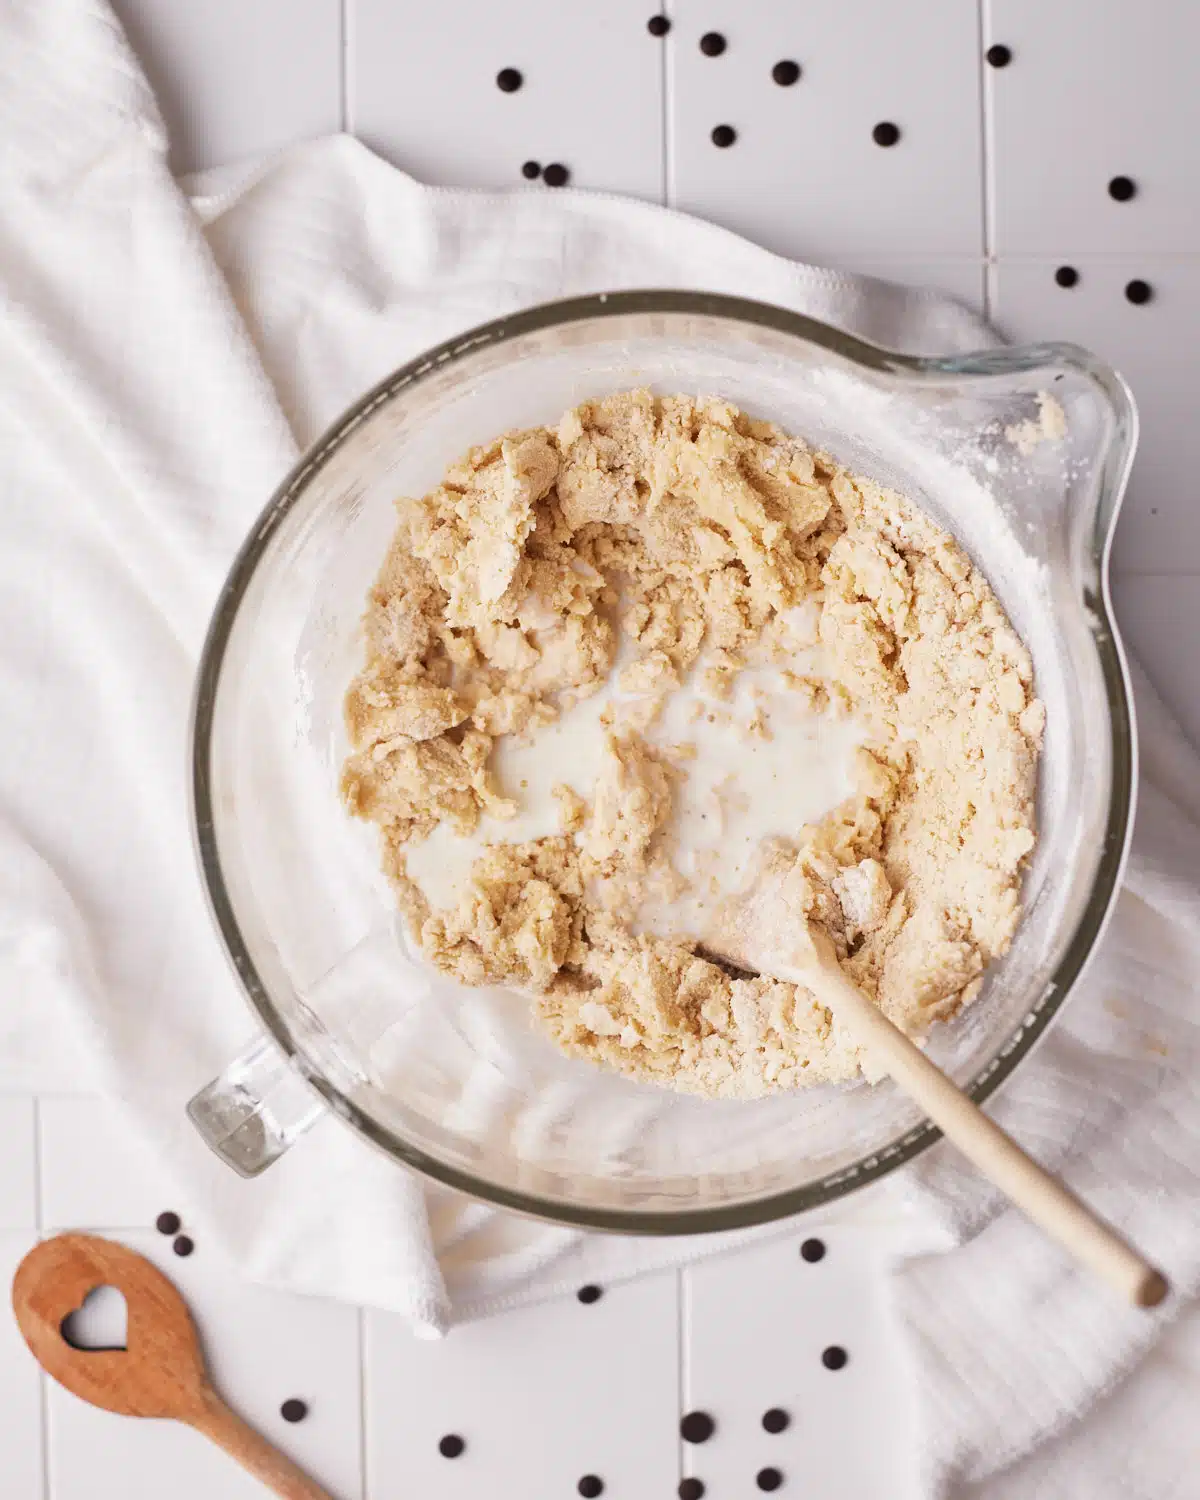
[99, 1324]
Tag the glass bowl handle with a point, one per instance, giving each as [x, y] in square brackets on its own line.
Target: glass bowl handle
[256, 1109]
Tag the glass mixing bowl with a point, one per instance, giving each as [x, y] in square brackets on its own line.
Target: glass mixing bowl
[455, 1082]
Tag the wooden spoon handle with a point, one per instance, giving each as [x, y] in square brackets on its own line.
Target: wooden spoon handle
[255, 1454]
[1046, 1200]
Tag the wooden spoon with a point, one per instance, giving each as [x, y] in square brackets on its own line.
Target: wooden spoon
[760, 933]
[161, 1371]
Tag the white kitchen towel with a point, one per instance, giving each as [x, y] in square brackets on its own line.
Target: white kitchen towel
[161, 364]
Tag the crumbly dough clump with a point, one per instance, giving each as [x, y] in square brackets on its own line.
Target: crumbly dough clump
[690, 527]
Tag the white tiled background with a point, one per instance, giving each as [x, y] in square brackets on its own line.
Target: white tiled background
[1000, 176]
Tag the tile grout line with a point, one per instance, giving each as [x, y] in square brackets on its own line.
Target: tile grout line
[986, 157]
[364, 1484]
[39, 1221]
[344, 65]
[665, 80]
[682, 1311]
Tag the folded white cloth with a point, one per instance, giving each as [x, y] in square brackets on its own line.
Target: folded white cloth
[161, 363]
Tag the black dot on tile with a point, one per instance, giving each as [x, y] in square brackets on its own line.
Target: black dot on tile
[556, 175]
[1067, 276]
[723, 135]
[776, 1420]
[812, 1250]
[768, 1479]
[1138, 292]
[590, 1486]
[658, 25]
[712, 44]
[691, 1489]
[509, 80]
[183, 1244]
[999, 55]
[786, 73]
[590, 1293]
[451, 1446]
[885, 133]
[294, 1410]
[697, 1427]
[1122, 189]
[168, 1223]
[531, 169]
[835, 1357]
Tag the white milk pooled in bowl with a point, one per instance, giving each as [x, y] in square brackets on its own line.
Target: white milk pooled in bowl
[765, 762]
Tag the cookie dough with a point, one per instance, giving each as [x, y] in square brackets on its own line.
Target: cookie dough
[690, 531]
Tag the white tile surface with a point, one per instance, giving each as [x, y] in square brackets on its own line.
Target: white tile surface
[1157, 348]
[1094, 92]
[755, 1327]
[422, 91]
[234, 79]
[18, 1163]
[96, 1455]
[21, 1476]
[95, 1173]
[805, 177]
[262, 1347]
[541, 1396]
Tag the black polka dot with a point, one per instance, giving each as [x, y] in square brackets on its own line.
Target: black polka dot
[697, 1427]
[1122, 189]
[1067, 276]
[658, 25]
[691, 1489]
[509, 80]
[785, 73]
[885, 133]
[768, 1479]
[1138, 292]
[531, 169]
[168, 1223]
[451, 1446]
[590, 1293]
[294, 1410]
[712, 44]
[999, 55]
[555, 175]
[812, 1250]
[182, 1244]
[776, 1420]
[590, 1486]
[835, 1357]
[723, 135]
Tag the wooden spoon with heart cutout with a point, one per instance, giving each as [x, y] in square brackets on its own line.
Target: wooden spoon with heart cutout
[161, 1371]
